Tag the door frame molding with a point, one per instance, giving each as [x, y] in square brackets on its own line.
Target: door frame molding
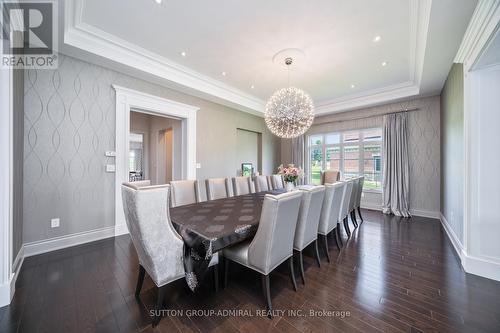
[7, 276]
[129, 99]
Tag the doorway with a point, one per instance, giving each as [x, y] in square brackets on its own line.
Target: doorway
[128, 101]
[155, 148]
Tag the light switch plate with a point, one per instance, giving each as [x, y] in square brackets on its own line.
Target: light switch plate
[198, 165]
[110, 168]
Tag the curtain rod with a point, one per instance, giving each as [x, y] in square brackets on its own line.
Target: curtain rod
[365, 117]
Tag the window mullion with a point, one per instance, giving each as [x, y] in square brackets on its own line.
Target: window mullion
[361, 154]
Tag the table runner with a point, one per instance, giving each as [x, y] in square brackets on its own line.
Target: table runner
[210, 226]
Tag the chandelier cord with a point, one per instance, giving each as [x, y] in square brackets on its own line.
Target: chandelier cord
[288, 68]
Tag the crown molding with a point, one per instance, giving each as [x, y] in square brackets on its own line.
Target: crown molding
[367, 98]
[88, 38]
[485, 19]
[83, 36]
[420, 13]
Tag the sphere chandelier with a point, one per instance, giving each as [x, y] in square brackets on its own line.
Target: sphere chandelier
[289, 111]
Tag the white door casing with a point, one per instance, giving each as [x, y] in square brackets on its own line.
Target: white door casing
[127, 100]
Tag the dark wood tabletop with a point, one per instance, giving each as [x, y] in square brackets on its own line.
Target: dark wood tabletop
[223, 222]
[208, 227]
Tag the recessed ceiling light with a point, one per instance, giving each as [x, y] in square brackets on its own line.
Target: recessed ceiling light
[353, 86]
[183, 53]
[223, 73]
[384, 64]
[158, 1]
[252, 86]
[377, 39]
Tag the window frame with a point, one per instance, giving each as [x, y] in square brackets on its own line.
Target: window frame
[341, 145]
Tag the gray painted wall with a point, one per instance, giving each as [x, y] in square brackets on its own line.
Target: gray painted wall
[18, 142]
[452, 158]
[424, 138]
[70, 123]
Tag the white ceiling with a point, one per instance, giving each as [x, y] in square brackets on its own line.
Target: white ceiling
[418, 42]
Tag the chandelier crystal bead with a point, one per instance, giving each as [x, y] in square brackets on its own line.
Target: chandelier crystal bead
[289, 112]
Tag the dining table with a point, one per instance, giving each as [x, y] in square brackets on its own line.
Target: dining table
[208, 227]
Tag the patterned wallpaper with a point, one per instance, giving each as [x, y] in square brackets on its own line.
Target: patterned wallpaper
[424, 140]
[69, 125]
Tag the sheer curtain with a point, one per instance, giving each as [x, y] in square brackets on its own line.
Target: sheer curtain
[396, 185]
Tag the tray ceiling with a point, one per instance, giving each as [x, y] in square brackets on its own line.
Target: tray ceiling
[224, 50]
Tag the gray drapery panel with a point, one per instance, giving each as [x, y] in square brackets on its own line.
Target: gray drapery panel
[396, 187]
[298, 153]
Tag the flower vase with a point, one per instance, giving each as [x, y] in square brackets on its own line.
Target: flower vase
[289, 186]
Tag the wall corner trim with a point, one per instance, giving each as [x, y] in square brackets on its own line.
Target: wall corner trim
[452, 236]
[483, 267]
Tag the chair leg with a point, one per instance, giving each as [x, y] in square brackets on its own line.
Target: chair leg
[335, 237]
[339, 235]
[346, 226]
[360, 216]
[353, 218]
[226, 270]
[215, 271]
[292, 273]
[159, 304]
[267, 293]
[325, 240]
[140, 280]
[301, 263]
[316, 250]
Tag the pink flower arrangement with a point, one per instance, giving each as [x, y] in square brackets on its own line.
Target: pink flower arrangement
[290, 173]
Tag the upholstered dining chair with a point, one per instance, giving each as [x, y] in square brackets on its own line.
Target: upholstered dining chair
[328, 220]
[184, 192]
[218, 188]
[306, 231]
[357, 203]
[140, 183]
[352, 201]
[344, 207]
[273, 242]
[261, 183]
[242, 185]
[330, 176]
[159, 247]
[277, 182]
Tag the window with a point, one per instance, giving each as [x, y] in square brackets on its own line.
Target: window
[354, 153]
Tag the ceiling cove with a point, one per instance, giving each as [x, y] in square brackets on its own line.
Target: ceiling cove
[81, 35]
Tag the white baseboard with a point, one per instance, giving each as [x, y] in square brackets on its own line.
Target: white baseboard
[481, 266]
[414, 212]
[57, 243]
[452, 236]
[425, 213]
[371, 206]
[8, 289]
[5, 293]
[484, 267]
[121, 229]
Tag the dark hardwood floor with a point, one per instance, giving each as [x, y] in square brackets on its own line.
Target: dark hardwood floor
[392, 275]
